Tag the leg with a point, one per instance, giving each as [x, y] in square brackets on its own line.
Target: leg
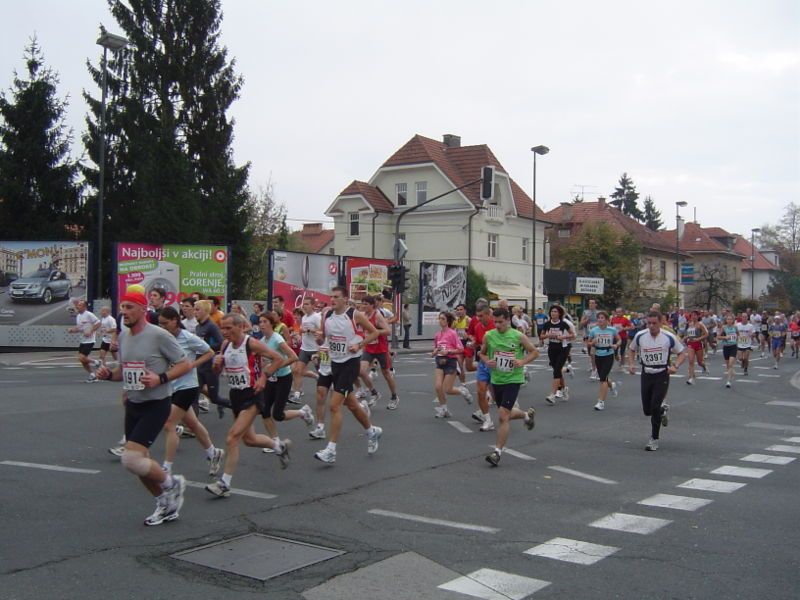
[439, 386]
[336, 415]
[191, 421]
[357, 410]
[171, 439]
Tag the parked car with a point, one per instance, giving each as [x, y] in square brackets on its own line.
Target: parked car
[6, 277]
[42, 284]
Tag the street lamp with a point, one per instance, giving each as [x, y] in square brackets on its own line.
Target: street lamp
[753, 233]
[112, 42]
[678, 206]
[541, 151]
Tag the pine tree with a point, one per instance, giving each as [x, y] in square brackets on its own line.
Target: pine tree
[39, 194]
[625, 198]
[652, 216]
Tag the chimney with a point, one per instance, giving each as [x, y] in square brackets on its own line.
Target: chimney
[566, 212]
[452, 141]
[312, 228]
[601, 201]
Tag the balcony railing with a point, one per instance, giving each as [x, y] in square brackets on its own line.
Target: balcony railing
[495, 214]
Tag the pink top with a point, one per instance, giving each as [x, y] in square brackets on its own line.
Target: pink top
[448, 339]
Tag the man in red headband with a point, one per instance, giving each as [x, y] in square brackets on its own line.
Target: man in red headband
[150, 357]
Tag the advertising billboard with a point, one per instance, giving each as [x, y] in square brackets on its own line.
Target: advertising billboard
[176, 268]
[38, 280]
[366, 276]
[441, 288]
[298, 275]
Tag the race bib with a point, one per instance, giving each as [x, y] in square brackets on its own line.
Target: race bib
[743, 340]
[132, 373]
[237, 378]
[656, 357]
[604, 340]
[324, 358]
[505, 361]
[338, 346]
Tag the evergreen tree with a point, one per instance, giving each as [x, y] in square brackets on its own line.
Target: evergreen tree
[39, 194]
[625, 198]
[170, 176]
[652, 216]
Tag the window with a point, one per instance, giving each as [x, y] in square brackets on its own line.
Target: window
[648, 267]
[525, 249]
[330, 251]
[662, 270]
[422, 191]
[401, 192]
[564, 233]
[491, 250]
[353, 224]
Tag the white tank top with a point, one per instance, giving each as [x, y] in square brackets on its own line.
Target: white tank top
[239, 366]
[340, 334]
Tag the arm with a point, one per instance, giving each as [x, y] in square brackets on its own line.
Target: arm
[532, 352]
[382, 325]
[151, 379]
[372, 333]
[489, 362]
[681, 358]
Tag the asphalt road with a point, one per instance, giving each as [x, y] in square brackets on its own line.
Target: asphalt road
[426, 517]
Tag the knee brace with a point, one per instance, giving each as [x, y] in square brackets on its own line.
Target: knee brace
[136, 462]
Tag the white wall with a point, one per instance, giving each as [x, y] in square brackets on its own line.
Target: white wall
[759, 286]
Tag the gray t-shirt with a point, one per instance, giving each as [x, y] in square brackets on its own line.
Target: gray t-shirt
[152, 349]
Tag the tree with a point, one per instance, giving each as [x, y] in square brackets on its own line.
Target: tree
[652, 216]
[785, 239]
[39, 194]
[476, 287]
[600, 251]
[713, 287]
[625, 198]
[170, 175]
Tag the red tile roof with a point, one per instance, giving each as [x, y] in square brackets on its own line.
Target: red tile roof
[461, 165]
[313, 237]
[374, 197]
[597, 212]
[695, 239]
[717, 232]
[743, 247]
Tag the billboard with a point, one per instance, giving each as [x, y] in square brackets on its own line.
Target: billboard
[366, 276]
[298, 275]
[38, 279]
[441, 288]
[176, 268]
[594, 286]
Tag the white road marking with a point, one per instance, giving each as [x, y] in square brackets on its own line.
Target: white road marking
[768, 459]
[573, 551]
[413, 375]
[489, 584]
[742, 472]
[583, 475]
[13, 381]
[783, 403]
[712, 485]
[630, 523]
[675, 502]
[757, 367]
[710, 378]
[44, 367]
[460, 426]
[775, 426]
[794, 440]
[514, 453]
[784, 448]
[13, 368]
[431, 521]
[235, 491]
[14, 463]
[764, 375]
[746, 381]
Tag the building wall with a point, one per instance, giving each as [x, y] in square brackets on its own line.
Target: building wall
[733, 263]
[651, 282]
[758, 287]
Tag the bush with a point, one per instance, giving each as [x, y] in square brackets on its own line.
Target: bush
[743, 304]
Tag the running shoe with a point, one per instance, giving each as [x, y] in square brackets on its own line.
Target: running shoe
[373, 439]
[318, 433]
[365, 407]
[600, 405]
[652, 445]
[493, 458]
[116, 450]
[161, 515]
[690, 381]
[215, 461]
[465, 393]
[727, 384]
[530, 418]
[373, 373]
[326, 455]
[393, 402]
[283, 453]
[487, 425]
[442, 412]
[594, 376]
[478, 416]
[374, 396]
[97, 364]
[219, 489]
[203, 403]
[775, 367]
[174, 495]
[565, 393]
[551, 399]
[361, 394]
[92, 378]
[308, 416]
[569, 371]
[276, 440]
[559, 395]
[294, 397]
[614, 388]
[664, 415]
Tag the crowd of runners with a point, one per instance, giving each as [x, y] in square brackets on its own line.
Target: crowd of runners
[170, 363]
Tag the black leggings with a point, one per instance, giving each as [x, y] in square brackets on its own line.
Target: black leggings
[654, 391]
[604, 364]
[558, 356]
[275, 396]
[211, 381]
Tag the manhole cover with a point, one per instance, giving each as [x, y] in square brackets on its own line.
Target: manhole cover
[257, 556]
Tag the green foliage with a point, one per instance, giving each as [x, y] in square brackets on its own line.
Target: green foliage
[742, 304]
[785, 239]
[600, 251]
[39, 193]
[713, 287]
[625, 198]
[652, 216]
[476, 287]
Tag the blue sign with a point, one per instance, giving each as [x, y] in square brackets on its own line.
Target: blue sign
[687, 274]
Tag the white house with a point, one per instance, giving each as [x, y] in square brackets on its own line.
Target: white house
[494, 237]
[758, 268]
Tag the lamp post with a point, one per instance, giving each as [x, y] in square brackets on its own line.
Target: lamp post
[753, 233]
[541, 151]
[112, 42]
[678, 205]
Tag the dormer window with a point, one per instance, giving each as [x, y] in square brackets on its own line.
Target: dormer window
[401, 194]
[422, 191]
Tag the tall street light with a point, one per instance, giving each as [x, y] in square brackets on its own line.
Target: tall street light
[112, 42]
[678, 205]
[541, 151]
[753, 233]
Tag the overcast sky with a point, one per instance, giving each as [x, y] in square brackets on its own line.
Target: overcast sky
[695, 100]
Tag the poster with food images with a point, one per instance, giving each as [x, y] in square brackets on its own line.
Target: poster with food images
[441, 289]
[299, 275]
[366, 276]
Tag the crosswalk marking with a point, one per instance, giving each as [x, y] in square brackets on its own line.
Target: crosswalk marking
[582, 475]
[460, 426]
[573, 551]
[675, 502]
[775, 426]
[489, 584]
[712, 485]
[630, 523]
[794, 440]
[784, 448]
[14, 463]
[742, 472]
[767, 459]
[235, 491]
[431, 521]
[783, 403]
[514, 453]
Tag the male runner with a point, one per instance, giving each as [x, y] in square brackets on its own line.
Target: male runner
[310, 329]
[157, 297]
[378, 351]
[108, 329]
[87, 324]
[744, 341]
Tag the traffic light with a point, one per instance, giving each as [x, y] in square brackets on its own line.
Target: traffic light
[395, 275]
[487, 183]
[403, 280]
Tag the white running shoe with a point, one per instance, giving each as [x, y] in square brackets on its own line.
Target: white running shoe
[373, 374]
[174, 495]
[294, 397]
[478, 416]
[569, 371]
[530, 418]
[565, 394]
[283, 452]
[600, 405]
[318, 433]
[373, 439]
[594, 376]
[559, 394]
[116, 450]
[488, 425]
[97, 364]
[277, 441]
[652, 445]
[204, 403]
[727, 384]
[361, 394]
[326, 455]
[465, 393]
[373, 398]
[161, 515]
[393, 402]
[219, 489]
[92, 377]
[551, 399]
[614, 388]
[690, 381]
[442, 412]
[215, 462]
[308, 416]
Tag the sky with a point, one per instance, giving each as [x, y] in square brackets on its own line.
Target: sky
[697, 101]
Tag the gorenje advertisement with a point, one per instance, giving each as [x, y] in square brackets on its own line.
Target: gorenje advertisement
[366, 276]
[37, 280]
[177, 269]
[297, 275]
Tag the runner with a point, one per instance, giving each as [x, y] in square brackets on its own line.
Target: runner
[189, 320]
[764, 331]
[794, 333]
[340, 326]
[461, 324]
[557, 333]
[777, 333]
[87, 324]
[185, 391]
[506, 351]
[653, 348]
[728, 333]
[208, 331]
[744, 341]
[711, 323]
[377, 351]
[254, 318]
[625, 328]
[310, 329]
[446, 348]
[108, 329]
[324, 384]
[587, 322]
[696, 334]
[604, 340]
[279, 306]
[149, 359]
[240, 359]
[480, 324]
